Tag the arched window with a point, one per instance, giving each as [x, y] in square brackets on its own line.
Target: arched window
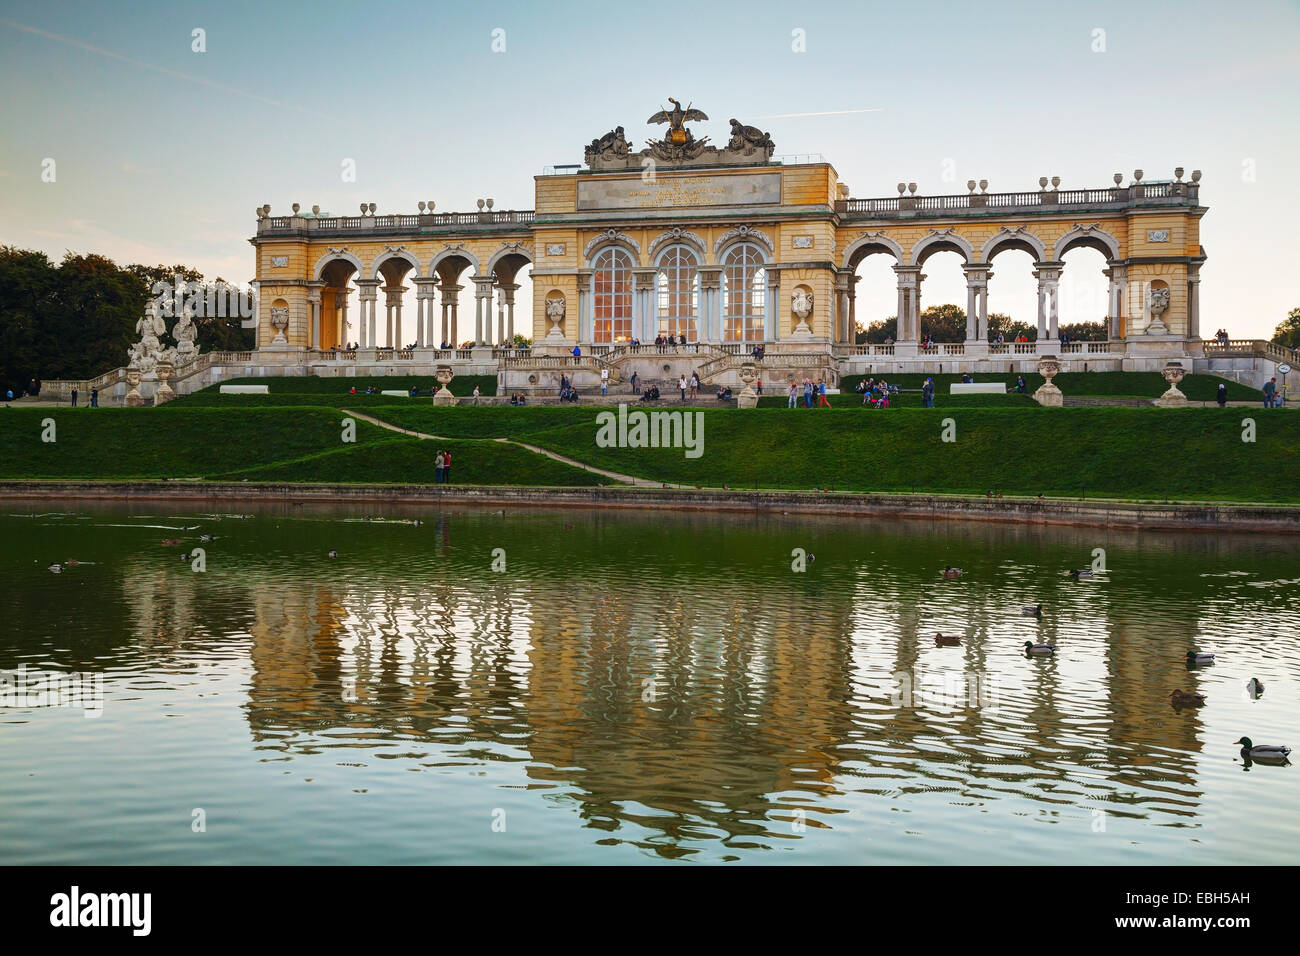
[744, 294]
[611, 297]
[677, 294]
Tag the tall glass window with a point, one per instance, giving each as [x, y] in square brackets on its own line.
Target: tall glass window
[744, 295]
[677, 293]
[611, 299]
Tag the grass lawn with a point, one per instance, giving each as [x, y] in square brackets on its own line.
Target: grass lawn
[1185, 454]
[411, 461]
[1200, 388]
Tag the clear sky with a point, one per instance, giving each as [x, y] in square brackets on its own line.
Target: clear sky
[162, 153]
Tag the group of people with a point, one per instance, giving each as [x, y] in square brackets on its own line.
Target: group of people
[691, 385]
[809, 390]
[442, 467]
[651, 394]
[519, 399]
[1221, 336]
[875, 392]
[724, 393]
[1273, 397]
[664, 342]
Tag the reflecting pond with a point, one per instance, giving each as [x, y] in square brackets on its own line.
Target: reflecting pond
[573, 686]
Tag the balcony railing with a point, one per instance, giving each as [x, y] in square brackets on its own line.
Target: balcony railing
[394, 223]
[1047, 200]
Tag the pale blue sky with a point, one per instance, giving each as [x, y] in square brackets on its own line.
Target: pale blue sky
[163, 153]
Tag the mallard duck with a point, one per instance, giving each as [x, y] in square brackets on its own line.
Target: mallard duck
[1083, 574]
[1186, 699]
[1032, 648]
[1262, 751]
[334, 554]
[186, 556]
[207, 537]
[170, 542]
[946, 640]
[951, 572]
[56, 568]
[71, 563]
[1198, 657]
[1031, 610]
[1254, 687]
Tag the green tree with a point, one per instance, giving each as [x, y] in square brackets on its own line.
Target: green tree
[944, 323]
[1009, 328]
[1288, 331]
[1085, 331]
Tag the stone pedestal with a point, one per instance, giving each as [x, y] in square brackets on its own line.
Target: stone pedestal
[443, 396]
[164, 393]
[1048, 394]
[1173, 373]
[748, 398]
[133, 397]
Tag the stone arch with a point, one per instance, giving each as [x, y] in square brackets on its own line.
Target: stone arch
[1092, 236]
[678, 236]
[1019, 238]
[942, 240]
[336, 255]
[508, 249]
[612, 237]
[868, 243]
[452, 252]
[741, 234]
[401, 252]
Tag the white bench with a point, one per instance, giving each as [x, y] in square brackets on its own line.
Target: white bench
[396, 393]
[977, 388]
[244, 390]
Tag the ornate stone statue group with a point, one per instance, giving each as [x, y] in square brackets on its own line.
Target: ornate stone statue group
[148, 353]
[679, 146]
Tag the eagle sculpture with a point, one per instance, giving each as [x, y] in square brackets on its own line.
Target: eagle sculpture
[675, 117]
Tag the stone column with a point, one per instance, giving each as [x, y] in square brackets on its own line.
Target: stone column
[710, 304]
[840, 323]
[1049, 278]
[644, 314]
[508, 290]
[583, 333]
[853, 309]
[1194, 302]
[977, 302]
[483, 309]
[424, 337]
[393, 302]
[909, 303]
[450, 310]
[369, 292]
[1118, 276]
[314, 300]
[773, 307]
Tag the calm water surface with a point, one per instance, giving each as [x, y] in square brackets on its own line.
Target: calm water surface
[638, 688]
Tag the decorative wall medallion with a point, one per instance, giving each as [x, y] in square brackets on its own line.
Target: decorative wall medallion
[555, 248]
[613, 235]
[743, 232]
[1157, 235]
[279, 262]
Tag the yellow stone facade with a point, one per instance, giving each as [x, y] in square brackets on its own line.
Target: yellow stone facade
[797, 218]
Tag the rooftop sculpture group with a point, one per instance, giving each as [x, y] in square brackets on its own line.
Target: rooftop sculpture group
[679, 147]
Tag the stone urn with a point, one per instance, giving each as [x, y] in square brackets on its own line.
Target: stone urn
[165, 371]
[748, 398]
[133, 397]
[1049, 366]
[443, 396]
[801, 305]
[1173, 373]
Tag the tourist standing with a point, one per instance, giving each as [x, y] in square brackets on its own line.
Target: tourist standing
[695, 385]
[927, 393]
[446, 468]
[439, 463]
[604, 381]
[74, 398]
[476, 394]
[807, 393]
[758, 387]
[821, 394]
[1270, 390]
[1221, 396]
[94, 398]
[794, 396]
[681, 384]
[636, 384]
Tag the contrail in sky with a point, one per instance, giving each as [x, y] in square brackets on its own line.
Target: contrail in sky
[822, 113]
[158, 69]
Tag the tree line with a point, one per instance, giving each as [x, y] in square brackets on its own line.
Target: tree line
[75, 319]
[947, 323]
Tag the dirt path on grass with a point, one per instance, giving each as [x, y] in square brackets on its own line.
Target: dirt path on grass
[572, 462]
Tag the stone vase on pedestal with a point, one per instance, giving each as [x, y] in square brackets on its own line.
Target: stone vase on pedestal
[164, 393]
[133, 397]
[1048, 394]
[1173, 373]
[444, 376]
[748, 398]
